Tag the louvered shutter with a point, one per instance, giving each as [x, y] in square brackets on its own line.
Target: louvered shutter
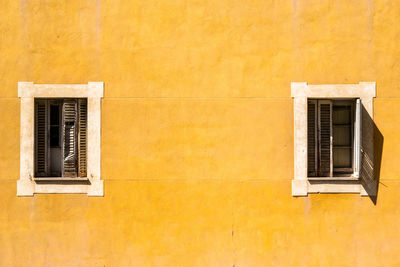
[82, 146]
[357, 140]
[41, 140]
[312, 138]
[325, 138]
[69, 132]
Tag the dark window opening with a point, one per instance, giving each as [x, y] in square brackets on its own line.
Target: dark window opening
[342, 122]
[61, 137]
[331, 137]
[55, 125]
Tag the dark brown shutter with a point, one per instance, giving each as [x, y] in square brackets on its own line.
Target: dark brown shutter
[312, 138]
[69, 144]
[82, 146]
[41, 140]
[325, 138]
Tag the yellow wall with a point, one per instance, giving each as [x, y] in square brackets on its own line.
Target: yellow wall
[197, 131]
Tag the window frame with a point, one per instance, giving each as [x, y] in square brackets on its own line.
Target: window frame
[28, 184]
[301, 92]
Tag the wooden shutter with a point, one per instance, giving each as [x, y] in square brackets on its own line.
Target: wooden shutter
[325, 138]
[357, 139]
[41, 138]
[312, 138]
[69, 142]
[82, 139]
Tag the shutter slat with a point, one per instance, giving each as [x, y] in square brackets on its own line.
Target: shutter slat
[41, 123]
[312, 138]
[82, 155]
[69, 118]
[325, 133]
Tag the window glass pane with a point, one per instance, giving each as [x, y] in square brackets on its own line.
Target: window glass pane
[341, 135]
[341, 157]
[341, 115]
[342, 123]
[54, 115]
[54, 135]
[54, 125]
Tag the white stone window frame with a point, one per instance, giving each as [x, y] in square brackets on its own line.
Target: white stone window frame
[27, 92]
[301, 91]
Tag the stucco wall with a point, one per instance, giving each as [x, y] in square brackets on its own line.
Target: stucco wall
[197, 131]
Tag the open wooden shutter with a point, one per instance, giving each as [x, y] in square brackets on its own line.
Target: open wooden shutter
[41, 140]
[69, 144]
[82, 137]
[312, 138]
[325, 138]
[357, 140]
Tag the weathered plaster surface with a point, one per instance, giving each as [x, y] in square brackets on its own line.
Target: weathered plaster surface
[201, 175]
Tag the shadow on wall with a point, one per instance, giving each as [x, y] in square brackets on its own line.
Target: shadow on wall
[371, 156]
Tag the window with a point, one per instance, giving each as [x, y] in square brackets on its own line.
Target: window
[333, 138]
[60, 138]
